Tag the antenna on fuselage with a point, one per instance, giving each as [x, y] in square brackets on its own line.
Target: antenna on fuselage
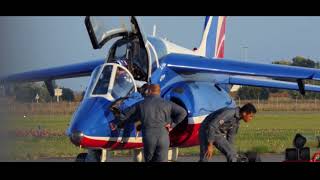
[154, 30]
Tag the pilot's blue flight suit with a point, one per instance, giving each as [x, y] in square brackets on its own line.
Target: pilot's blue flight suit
[155, 113]
[220, 128]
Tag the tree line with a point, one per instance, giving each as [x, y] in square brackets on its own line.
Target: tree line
[246, 92]
[27, 92]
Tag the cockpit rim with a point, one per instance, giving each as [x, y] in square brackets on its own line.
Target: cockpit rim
[108, 95]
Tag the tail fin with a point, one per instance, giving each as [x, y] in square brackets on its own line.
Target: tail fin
[212, 44]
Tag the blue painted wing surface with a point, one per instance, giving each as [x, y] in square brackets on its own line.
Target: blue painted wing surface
[269, 83]
[189, 63]
[62, 72]
[239, 71]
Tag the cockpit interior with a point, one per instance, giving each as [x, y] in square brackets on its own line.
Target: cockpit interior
[131, 54]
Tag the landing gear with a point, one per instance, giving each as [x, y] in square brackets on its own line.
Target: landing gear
[249, 157]
[138, 155]
[173, 154]
[81, 157]
[102, 155]
[253, 157]
[93, 155]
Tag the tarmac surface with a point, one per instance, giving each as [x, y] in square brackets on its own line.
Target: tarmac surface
[216, 158]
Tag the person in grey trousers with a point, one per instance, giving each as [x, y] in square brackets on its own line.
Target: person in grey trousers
[157, 116]
[219, 129]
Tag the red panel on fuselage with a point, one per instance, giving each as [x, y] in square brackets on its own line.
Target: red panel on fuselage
[189, 137]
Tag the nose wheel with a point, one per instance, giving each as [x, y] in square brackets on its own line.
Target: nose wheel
[102, 155]
[93, 155]
[81, 157]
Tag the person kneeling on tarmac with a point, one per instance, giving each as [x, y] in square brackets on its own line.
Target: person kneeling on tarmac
[219, 129]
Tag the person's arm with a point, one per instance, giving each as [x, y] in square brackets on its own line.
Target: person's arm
[214, 124]
[213, 131]
[231, 134]
[177, 113]
[129, 114]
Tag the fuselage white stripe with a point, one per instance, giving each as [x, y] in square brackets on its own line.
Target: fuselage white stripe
[116, 139]
[196, 120]
[191, 120]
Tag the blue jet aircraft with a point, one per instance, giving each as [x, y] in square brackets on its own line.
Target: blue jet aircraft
[199, 80]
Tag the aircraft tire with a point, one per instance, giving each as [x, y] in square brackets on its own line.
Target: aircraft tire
[81, 157]
[253, 157]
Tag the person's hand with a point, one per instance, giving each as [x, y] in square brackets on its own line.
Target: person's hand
[113, 126]
[169, 128]
[137, 134]
[209, 152]
[116, 111]
[138, 127]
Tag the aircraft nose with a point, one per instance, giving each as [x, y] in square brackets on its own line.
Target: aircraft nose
[76, 137]
[91, 119]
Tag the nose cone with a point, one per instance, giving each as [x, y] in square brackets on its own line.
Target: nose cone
[91, 119]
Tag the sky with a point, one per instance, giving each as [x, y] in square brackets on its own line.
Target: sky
[29, 43]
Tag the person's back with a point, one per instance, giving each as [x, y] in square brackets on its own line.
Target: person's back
[154, 112]
[212, 117]
[156, 116]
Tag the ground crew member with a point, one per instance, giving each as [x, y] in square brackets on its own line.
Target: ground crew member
[156, 116]
[219, 129]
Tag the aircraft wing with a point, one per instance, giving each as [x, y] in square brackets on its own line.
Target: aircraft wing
[181, 63]
[189, 63]
[62, 72]
[269, 83]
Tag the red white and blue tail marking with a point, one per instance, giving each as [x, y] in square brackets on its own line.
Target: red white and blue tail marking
[212, 44]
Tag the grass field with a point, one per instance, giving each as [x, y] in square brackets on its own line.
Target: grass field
[270, 132]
